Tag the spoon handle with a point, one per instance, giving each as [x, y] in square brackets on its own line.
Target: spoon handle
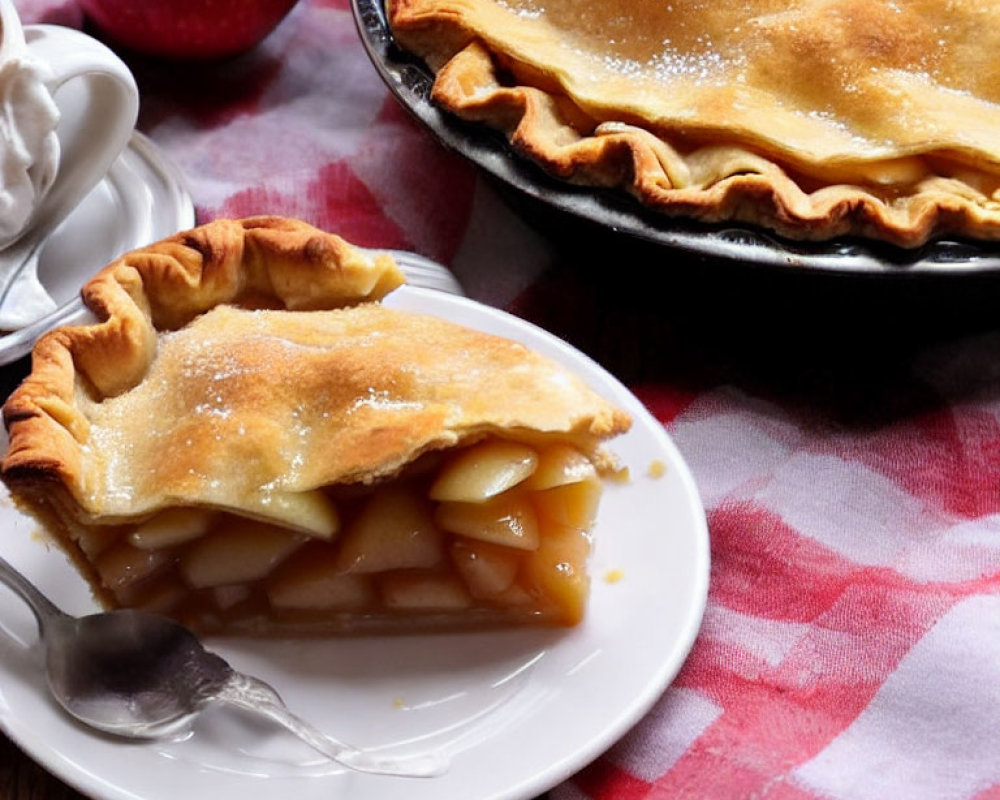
[255, 695]
[43, 608]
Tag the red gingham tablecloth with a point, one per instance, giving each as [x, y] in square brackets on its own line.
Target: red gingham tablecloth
[844, 433]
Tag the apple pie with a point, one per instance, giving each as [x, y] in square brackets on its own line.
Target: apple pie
[814, 118]
[247, 440]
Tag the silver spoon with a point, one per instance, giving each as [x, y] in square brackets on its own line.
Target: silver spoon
[140, 675]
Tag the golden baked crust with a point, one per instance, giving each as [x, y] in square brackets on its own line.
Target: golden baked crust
[816, 118]
[260, 261]
[242, 371]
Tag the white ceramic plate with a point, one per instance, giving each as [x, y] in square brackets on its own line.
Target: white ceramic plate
[517, 711]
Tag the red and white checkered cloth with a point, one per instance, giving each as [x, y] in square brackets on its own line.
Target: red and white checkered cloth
[851, 646]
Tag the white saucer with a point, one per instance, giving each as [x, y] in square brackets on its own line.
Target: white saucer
[141, 199]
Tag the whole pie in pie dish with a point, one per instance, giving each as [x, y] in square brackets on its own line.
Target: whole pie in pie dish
[249, 441]
[814, 118]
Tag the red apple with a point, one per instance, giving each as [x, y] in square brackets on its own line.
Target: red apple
[186, 29]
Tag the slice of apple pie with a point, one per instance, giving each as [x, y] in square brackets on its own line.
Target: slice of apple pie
[247, 441]
[815, 118]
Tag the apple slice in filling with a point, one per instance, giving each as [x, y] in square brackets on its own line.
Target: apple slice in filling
[498, 531]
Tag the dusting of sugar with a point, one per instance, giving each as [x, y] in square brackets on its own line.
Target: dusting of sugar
[524, 13]
[703, 65]
[109, 449]
[378, 399]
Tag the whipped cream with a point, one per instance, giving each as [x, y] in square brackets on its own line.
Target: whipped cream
[29, 147]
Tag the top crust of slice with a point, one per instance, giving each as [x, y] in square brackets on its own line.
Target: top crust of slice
[249, 354]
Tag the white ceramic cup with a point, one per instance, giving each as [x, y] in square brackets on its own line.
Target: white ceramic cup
[56, 145]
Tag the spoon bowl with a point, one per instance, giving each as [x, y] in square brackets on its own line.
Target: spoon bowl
[129, 672]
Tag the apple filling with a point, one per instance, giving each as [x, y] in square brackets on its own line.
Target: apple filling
[498, 530]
